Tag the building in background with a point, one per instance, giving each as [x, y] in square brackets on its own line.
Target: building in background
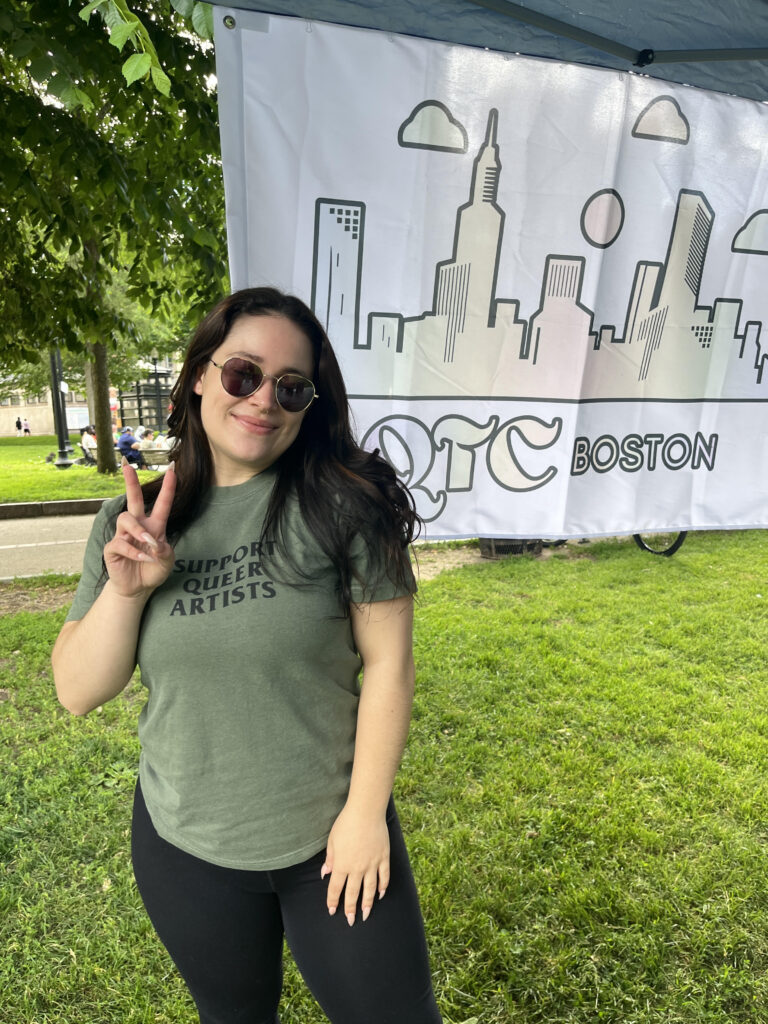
[38, 410]
[146, 402]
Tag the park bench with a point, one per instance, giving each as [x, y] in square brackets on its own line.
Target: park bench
[155, 458]
[87, 458]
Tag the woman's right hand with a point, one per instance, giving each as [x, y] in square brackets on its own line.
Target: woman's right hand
[139, 558]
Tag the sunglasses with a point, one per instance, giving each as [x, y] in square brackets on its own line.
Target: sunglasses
[241, 377]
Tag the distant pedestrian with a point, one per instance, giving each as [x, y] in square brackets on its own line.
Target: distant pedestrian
[18, 426]
[27, 429]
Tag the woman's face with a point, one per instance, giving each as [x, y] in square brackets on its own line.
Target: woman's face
[247, 435]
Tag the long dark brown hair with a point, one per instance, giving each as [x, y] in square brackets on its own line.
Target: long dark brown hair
[343, 491]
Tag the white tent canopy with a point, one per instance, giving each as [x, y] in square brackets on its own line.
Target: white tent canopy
[718, 46]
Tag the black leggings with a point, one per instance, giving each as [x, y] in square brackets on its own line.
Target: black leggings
[224, 930]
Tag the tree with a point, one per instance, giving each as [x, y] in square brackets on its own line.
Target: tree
[104, 180]
[145, 335]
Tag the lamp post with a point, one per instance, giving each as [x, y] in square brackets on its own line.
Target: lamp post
[63, 461]
[158, 395]
[63, 392]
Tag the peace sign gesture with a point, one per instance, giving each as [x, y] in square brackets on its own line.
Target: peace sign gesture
[139, 558]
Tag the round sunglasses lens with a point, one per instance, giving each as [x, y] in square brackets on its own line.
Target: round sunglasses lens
[240, 377]
[295, 393]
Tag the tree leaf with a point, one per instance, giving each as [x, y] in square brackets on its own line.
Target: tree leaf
[202, 19]
[205, 238]
[41, 68]
[22, 47]
[184, 7]
[83, 99]
[88, 10]
[161, 81]
[137, 66]
[122, 32]
[58, 85]
[114, 16]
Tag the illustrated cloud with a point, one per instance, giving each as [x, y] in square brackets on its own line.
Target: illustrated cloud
[753, 237]
[432, 126]
[663, 121]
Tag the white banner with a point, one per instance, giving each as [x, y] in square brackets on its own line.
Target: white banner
[545, 282]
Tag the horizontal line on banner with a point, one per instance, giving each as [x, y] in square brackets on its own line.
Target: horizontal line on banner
[559, 401]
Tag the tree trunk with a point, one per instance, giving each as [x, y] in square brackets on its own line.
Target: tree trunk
[102, 419]
[90, 391]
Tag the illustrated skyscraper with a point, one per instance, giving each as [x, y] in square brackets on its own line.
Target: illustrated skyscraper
[665, 318]
[337, 268]
[467, 330]
[465, 286]
[679, 290]
[561, 311]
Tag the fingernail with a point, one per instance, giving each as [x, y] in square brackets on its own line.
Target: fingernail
[366, 913]
[148, 539]
[350, 919]
[144, 557]
[381, 893]
[324, 871]
[331, 911]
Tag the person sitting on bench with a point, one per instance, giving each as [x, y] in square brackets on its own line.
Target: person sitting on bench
[128, 447]
[88, 444]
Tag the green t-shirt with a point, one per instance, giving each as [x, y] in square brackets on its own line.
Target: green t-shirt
[248, 732]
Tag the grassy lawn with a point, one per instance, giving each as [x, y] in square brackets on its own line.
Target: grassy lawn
[584, 796]
[26, 476]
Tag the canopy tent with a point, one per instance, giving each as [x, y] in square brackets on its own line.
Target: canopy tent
[718, 46]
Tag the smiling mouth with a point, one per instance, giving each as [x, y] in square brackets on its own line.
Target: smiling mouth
[256, 425]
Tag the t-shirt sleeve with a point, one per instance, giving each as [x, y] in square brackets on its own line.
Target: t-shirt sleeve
[378, 576]
[93, 579]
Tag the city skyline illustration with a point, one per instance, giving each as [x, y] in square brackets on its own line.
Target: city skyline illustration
[473, 341]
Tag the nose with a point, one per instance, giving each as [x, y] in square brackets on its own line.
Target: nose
[265, 396]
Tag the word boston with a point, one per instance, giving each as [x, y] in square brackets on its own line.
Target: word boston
[633, 453]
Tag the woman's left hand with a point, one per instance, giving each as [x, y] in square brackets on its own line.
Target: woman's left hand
[357, 859]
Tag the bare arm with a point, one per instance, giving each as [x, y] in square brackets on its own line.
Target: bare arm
[94, 657]
[358, 846]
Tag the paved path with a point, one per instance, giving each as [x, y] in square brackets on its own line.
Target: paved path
[30, 547]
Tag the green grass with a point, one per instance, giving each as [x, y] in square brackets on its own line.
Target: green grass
[26, 476]
[584, 796]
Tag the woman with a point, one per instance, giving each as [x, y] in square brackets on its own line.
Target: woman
[88, 444]
[251, 584]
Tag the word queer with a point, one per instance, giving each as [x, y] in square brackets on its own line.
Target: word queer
[649, 451]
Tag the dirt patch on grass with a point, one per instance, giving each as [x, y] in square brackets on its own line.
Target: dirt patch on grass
[432, 561]
[15, 597]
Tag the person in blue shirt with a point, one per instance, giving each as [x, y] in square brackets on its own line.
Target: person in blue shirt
[128, 447]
